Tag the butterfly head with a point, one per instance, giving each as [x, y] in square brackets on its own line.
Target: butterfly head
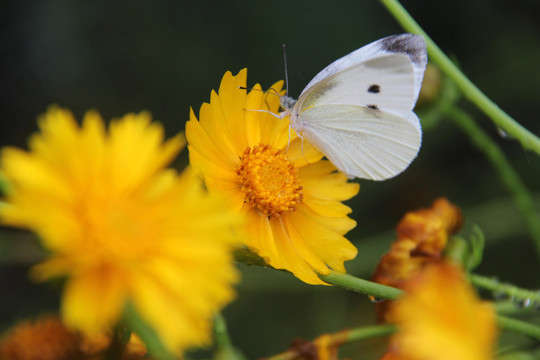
[287, 103]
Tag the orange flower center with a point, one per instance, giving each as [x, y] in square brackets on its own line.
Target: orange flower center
[269, 180]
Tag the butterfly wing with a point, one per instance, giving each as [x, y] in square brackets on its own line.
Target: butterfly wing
[362, 142]
[385, 75]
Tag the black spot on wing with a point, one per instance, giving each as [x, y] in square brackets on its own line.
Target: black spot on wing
[409, 44]
[374, 107]
[375, 89]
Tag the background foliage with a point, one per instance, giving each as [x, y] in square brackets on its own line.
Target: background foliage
[165, 56]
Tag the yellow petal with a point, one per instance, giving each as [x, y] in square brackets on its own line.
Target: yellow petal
[302, 153]
[289, 254]
[320, 181]
[93, 300]
[209, 146]
[261, 239]
[332, 247]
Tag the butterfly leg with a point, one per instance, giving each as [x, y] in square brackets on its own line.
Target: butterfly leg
[279, 116]
[289, 141]
[301, 145]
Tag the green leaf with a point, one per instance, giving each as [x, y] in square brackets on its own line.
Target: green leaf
[477, 244]
[466, 251]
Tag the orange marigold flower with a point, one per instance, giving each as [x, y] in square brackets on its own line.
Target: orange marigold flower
[430, 228]
[422, 236]
[440, 317]
[291, 198]
[47, 338]
[43, 339]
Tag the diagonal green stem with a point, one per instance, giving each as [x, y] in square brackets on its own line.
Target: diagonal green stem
[151, 339]
[343, 337]
[4, 184]
[346, 281]
[500, 118]
[507, 290]
[225, 348]
[519, 327]
[350, 282]
[498, 160]
[220, 329]
[362, 286]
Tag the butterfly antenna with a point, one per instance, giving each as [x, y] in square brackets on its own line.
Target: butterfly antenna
[286, 72]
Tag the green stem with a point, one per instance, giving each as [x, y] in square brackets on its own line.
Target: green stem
[118, 344]
[4, 185]
[342, 280]
[471, 92]
[519, 327]
[364, 333]
[498, 160]
[362, 286]
[153, 342]
[225, 349]
[343, 337]
[509, 291]
[386, 292]
[220, 328]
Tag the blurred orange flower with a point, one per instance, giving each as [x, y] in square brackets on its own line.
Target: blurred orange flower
[47, 338]
[422, 236]
[440, 317]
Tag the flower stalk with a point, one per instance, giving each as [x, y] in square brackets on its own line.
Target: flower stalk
[4, 185]
[524, 296]
[362, 286]
[499, 161]
[436, 55]
[118, 344]
[345, 281]
[519, 327]
[342, 337]
[151, 339]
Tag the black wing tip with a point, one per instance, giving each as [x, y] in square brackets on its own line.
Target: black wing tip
[411, 45]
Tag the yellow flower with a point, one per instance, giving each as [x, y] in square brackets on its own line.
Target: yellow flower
[440, 317]
[292, 198]
[120, 227]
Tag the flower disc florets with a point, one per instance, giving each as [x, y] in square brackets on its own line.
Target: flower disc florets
[269, 180]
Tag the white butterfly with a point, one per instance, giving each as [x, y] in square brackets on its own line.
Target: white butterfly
[358, 111]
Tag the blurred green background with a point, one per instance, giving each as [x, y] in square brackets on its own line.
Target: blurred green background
[166, 56]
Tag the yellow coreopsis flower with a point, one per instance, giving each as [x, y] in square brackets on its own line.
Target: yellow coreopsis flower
[292, 198]
[122, 228]
[440, 317]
